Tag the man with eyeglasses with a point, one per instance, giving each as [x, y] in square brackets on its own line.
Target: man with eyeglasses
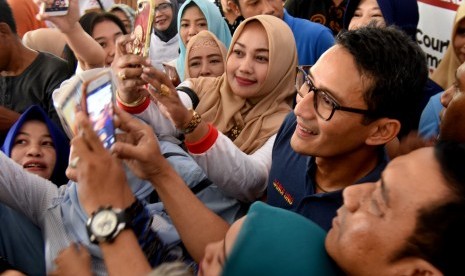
[353, 101]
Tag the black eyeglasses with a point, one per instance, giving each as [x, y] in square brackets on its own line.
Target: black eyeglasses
[325, 105]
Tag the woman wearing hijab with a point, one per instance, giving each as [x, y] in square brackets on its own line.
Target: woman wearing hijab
[190, 23]
[402, 13]
[444, 75]
[126, 14]
[164, 41]
[40, 147]
[205, 56]
[244, 107]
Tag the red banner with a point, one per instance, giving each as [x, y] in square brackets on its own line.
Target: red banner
[446, 4]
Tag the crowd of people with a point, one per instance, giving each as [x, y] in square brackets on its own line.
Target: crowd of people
[261, 137]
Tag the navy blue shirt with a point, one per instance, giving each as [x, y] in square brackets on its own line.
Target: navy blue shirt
[291, 180]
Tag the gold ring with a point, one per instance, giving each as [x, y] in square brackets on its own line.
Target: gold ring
[165, 90]
[121, 75]
[74, 162]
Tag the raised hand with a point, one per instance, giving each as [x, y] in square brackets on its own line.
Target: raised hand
[65, 23]
[138, 146]
[100, 175]
[127, 68]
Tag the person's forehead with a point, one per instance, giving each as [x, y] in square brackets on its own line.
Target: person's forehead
[34, 128]
[337, 73]
[368, 3]
[158, 2]
[255, 2]
[417, 173]
[34, 123]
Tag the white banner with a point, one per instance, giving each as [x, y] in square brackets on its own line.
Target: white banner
[435, 27]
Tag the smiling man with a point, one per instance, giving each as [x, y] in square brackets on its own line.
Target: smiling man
[410, 222]
[381, 229]
[353, 101]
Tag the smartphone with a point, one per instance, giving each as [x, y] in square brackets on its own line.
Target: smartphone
[71, 105]
[67, 103]
[98, 96]
[56, 8]
[143, 27]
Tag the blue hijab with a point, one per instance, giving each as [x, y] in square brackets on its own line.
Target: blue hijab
[402, 13]
[59, 139]
[216, 24]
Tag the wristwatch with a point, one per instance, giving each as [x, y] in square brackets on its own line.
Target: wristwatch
[106, 223]
[193, 123]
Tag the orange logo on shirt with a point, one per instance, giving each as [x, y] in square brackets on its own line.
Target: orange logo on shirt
[280, 189]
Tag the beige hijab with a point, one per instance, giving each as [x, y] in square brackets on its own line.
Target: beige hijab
[203, 39]
[257, 121]
[444, 75]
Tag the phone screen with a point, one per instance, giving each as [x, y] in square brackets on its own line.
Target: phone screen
[99, 103]
[59, 6]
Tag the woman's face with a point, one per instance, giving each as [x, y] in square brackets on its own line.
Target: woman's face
[205, 59]
[192, 22]
[459, 41]
[163, 15]
[106, 33]
[366, 12]
[247, 65]
[34, 149]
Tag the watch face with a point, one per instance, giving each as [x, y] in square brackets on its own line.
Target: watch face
[104, 223]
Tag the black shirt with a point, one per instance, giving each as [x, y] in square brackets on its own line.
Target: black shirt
[34, 86]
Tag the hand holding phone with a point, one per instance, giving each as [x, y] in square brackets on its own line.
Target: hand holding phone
[98, 96]
[55, 8]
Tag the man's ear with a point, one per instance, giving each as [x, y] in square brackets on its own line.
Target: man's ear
[382, 131]
[415, 266]
[235, 8]
[5, 29]
[5, 32]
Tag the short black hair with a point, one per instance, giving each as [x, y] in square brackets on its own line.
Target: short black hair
[396, 67]
[89, 20]
[439, 231]
[6, 15]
